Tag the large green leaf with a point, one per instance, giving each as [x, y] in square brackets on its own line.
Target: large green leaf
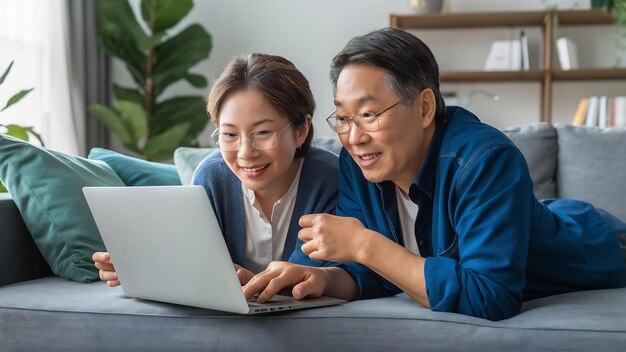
[195, 80]
[189, 109]
[17, 97]
[6, 73]
[2, 188]
[122, 93]
[120, 34]
[164, 14]
[134, 118]
[178, 54]
[113, 121]
[17, 132]
[162, 146]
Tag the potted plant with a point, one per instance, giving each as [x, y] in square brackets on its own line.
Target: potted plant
[14, 130]
[144, 123]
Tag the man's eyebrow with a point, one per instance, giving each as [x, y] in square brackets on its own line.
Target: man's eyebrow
[361, 100]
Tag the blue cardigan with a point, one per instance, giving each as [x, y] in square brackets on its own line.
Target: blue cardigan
[489, 243]
[317, 193]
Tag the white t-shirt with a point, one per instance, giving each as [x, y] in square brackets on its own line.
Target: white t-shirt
[265, 239]
[407, 210]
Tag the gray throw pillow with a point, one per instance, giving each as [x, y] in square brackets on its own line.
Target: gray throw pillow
[187, 159]
[537, 142]
[592, 166]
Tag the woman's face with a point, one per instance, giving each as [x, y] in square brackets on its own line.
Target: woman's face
[269, 172]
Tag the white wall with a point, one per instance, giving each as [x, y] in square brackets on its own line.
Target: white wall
[311, 32]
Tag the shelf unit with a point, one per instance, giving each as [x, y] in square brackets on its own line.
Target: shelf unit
[546, 75]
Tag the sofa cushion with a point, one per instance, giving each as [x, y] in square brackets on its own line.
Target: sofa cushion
[47, 188]
[187, 159]
[95, 315]
[537, 142]
[135, 171]
[592, 166]
[20, 259]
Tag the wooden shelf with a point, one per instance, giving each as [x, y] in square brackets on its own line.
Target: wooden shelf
[585, 74]
[600, 74]
[491, 76]
[542, 19]
[497, 19]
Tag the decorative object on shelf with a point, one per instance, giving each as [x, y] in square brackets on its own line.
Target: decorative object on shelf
[568, 53]
[145, 124]
[618, 11]
[14, 130]
[426, 6]
[505, 55]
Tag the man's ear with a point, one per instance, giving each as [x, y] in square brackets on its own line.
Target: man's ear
[303, 131]
[428, 105]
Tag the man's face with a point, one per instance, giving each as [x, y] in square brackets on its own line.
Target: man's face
[396, 150]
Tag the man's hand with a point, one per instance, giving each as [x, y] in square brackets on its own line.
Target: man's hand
[244, 275]
[107, 270]
[333, 238]
[303, 281]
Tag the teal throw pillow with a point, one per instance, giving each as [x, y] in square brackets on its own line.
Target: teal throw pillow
[137, 172]
[187, 159]
[47, 188]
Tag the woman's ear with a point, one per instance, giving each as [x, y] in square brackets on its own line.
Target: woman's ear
[428, 106]
[303, 131]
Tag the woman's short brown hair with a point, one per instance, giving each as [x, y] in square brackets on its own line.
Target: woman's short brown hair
[282, 84]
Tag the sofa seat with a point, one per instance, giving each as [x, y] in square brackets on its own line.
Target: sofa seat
[65, 315]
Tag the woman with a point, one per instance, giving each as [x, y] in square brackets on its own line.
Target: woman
[266, 174]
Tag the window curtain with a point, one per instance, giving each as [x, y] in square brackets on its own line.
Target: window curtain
[91, 76]
[53, 44]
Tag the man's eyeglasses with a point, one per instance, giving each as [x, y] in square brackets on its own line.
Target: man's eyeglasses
[260, 140]
[367, 121]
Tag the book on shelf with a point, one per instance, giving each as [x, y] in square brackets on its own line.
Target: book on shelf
[504, 55]
[603, 113]
[579, 117]
[591, 119]
[567, 52]
[620, 111]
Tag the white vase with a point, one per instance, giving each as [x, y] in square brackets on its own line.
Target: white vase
[426, 6]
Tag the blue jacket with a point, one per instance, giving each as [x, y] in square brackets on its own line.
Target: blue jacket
[317, 193]
[489, 243]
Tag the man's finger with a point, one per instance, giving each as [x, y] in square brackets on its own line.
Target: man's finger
[308, 288]
[274, 286]
[308, 220]
[305, 234]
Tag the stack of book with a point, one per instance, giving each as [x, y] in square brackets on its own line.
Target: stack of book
[601, 111]
[509, 55]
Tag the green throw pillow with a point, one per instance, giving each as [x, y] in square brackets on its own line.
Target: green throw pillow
[187, 159]
[137, 172]
[47, 188]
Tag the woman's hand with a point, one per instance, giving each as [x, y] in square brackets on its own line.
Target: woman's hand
[107, 270]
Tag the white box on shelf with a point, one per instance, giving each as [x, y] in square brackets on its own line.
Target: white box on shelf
[568, 53]
[504, 55]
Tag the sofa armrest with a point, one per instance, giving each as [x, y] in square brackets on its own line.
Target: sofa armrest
[20, 260]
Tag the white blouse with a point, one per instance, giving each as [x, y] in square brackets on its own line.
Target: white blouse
[265, 239]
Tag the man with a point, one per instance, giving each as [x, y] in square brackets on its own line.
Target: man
[434, 203]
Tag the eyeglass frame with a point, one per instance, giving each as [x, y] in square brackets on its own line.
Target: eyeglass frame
[250, 138]
[351, 118]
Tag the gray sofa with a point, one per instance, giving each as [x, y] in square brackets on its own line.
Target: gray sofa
[39, 311]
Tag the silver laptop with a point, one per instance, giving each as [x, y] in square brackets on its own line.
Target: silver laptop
[166, 245]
